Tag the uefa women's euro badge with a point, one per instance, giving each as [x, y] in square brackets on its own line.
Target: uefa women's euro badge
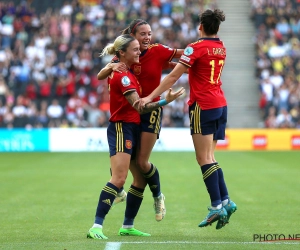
[188, 51]
[125, 81]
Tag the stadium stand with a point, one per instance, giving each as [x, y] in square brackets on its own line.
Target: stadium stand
[49, 56]
[277, 25]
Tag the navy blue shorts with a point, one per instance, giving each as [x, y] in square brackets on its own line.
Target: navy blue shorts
[151, 122]
[210, 121]
[123, 137]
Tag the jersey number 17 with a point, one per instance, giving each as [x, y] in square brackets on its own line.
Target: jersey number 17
[212, 72]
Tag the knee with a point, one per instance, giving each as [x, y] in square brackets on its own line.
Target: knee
[144, 166]
[202, 160]
[119, 181]
[199, 160]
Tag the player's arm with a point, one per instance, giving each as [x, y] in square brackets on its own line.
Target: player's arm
[133, 97]
[172, 65]
[110, 67]
[178, 53]
[167, 83]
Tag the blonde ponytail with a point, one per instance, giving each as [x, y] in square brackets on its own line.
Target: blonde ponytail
[108, 50]
[121, 43]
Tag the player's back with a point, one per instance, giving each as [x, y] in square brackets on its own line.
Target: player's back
[206, 59]
[211, 60]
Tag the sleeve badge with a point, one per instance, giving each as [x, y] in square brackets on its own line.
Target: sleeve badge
[188, 51]
[125, 81]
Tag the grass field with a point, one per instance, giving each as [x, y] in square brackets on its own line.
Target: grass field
[48, 201]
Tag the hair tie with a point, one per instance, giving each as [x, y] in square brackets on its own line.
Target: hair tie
[135, 26]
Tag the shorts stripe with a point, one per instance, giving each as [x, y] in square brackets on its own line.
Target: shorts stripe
[120, 142]
[157, 125]
[197, 122]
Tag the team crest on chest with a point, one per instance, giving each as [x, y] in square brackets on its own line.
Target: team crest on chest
[125, 81]
[128, 144]
[188, 51]
[137, 69]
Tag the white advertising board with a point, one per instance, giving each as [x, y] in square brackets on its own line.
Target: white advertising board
[95, 139]
[78, 139]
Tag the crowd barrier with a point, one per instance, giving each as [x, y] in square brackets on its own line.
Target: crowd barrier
[171, 139]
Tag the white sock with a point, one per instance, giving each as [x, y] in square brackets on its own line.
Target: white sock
[97, 225]
[127, 226]
[158, 197]
[217, 207]
[225, 202]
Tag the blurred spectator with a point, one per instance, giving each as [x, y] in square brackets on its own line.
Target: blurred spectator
[55, 113]
[277, 41]
[3, 90]
[19, 112]
[49, 58]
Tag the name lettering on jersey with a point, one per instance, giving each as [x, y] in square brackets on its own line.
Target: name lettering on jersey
[125, 81]
[185, 58]
[216, 52]
[188, 51]
[137, 69]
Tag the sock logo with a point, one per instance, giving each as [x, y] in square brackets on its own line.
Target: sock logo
[107, 201]
[153, 186]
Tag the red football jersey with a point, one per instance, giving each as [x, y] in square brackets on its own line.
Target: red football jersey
[205, 59]
[152, 61]
[120, 109]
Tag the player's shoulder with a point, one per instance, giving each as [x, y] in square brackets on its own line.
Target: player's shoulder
[158, 46]
[125, 78]
[197, 43]
[193, 47]
[115, 75]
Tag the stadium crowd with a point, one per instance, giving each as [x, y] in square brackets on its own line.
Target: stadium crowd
[49, 60]
[277, 40]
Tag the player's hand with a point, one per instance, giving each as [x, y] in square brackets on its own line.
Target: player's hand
[119, 67]
[141, 103]
[171, 96]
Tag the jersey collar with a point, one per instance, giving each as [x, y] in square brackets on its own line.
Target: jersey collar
[144, 52]
[209, 39]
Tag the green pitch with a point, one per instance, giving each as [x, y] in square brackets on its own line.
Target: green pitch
[48, 201]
